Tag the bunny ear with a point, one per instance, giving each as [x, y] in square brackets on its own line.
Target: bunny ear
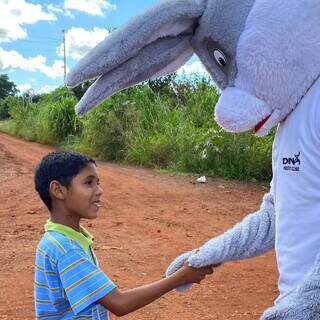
[168, 19]
[158, 58]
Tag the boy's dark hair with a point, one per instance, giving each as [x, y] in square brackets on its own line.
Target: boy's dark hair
[61, 166]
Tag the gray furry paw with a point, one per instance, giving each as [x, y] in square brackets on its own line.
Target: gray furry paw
[200, 259]
[176, 265]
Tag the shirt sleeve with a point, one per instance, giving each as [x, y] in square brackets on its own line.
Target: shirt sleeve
[83, 282]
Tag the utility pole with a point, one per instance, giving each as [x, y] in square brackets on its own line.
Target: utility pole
[64, 58]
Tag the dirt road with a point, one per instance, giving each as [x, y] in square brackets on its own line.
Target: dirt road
[148, 218]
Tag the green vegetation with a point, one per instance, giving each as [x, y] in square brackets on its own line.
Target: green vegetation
[166, 124]
[7, 90]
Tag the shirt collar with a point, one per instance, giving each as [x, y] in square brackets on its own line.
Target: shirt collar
[84, 238]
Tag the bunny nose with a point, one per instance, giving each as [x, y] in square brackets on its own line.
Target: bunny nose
[239, 111]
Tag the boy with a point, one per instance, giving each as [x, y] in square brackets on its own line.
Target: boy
[68, 281]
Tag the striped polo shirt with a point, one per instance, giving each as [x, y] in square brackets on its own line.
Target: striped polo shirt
[68, 280]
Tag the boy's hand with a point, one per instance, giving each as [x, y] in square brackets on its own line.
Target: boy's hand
[188, 274]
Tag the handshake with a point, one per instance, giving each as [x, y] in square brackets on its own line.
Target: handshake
[188, 273]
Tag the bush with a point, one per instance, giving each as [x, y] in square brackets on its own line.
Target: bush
[4, 110]
[50, 120]
[23, 116]
[105, 128]
[59, 119]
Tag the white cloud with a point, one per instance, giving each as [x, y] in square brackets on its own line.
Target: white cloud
[91, 7]
[79, 41]
[17, 13]
[54, 8]
[13, 60]
[60, 10]
[53, 72]
[194, 68]
[24, 87]
[46, 89]
[69, 14]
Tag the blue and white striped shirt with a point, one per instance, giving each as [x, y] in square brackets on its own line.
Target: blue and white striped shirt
[68, 280]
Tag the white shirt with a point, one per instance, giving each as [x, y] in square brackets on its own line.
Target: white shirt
[296, 190]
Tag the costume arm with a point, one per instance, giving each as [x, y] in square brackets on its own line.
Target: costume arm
[249, 238]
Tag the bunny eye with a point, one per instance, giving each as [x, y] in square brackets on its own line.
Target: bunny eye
[220, 57]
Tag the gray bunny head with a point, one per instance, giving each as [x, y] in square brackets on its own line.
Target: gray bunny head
[262, 54]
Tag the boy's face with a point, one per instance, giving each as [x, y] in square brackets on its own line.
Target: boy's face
[82, 197]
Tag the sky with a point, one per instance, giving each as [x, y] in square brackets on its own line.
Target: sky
[31, 37]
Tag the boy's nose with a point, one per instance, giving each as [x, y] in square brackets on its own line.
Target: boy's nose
[99, 190]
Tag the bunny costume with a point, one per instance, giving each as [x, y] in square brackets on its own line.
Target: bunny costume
[264, 56]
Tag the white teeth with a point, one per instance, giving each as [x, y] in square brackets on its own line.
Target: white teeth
[97, 204]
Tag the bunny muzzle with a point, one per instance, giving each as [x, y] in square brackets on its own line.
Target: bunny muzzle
[239, 111]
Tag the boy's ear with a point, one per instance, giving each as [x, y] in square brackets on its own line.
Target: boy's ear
[57, 190]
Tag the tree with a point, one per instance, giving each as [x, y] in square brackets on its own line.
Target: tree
[163, 85]
[81, 89]
[7, 87]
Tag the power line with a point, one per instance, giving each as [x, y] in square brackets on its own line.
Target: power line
[32, 46]
[39, 39]
[48, 38]
[32, 51]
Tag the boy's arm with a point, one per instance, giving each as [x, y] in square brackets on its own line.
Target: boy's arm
[122, 303]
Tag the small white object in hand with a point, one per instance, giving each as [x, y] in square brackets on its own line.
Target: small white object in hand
[202, 179]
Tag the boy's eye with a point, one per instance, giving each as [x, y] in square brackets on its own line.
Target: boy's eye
[91, 181]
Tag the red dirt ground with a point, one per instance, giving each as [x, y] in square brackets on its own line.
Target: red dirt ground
[148, 219]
